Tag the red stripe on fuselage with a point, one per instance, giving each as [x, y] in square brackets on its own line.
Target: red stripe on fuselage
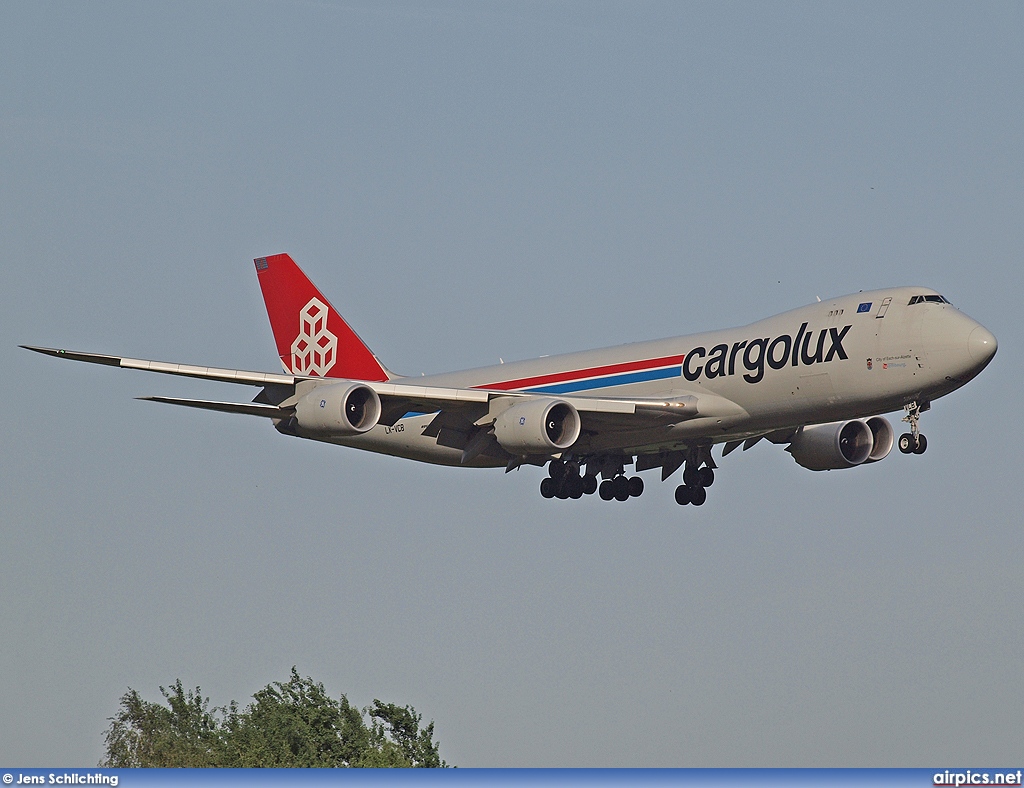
[592, 372]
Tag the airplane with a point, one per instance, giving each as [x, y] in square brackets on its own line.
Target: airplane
[814, 378]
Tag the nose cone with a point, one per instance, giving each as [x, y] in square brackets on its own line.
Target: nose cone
[981, 344]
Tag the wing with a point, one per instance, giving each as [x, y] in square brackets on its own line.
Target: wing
[398, 396]
[462, 415]
[187, 370]
[397, 399]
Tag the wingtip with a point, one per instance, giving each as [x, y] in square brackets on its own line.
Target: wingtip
[48, 351]
[75, 355]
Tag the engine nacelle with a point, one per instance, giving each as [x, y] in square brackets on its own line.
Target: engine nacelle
[537, 426]
[842, 444]
[339, 409]
[883, 438]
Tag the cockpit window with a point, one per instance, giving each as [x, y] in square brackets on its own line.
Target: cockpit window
[921, 299]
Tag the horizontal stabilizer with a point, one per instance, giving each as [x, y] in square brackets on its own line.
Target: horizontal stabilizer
[247, 408]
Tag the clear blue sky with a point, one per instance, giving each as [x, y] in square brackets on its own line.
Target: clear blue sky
[473, 180]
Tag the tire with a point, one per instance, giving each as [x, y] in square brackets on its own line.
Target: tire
[547, 488]
[574, 484]
[620, 486]
[906, 443]
[605, 490]
[556, 469]
[922, 445]
[698, 495]
[682, 495]
[589, 485]
[636, 487]
[691, 476]
[706, 477]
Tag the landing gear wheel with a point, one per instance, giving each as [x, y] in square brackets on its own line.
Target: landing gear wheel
[605, 490]
[698, 495]
[683, 494]
[691, 476]
[705, 477]
[574, 484]
[556, 469]
[906, 443]
[620, 486]
[922, 445]
[589, 485]
[547, 488]
[636, 487]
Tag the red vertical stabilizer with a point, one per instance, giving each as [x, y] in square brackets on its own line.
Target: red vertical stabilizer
[312, 338]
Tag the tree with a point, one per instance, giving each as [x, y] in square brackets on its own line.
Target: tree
[292, 723]
[400, 726]
[183, 733]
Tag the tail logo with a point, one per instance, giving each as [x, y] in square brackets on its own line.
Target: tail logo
[315, 349]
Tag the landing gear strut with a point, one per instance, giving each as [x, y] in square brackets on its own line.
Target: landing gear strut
[914, 442]
[698, 475]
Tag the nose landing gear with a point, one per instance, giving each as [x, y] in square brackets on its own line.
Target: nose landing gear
[914, 442]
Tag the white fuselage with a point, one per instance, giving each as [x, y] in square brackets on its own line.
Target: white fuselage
[844, 358]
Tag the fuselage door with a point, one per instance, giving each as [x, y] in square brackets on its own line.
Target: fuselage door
[883, 308]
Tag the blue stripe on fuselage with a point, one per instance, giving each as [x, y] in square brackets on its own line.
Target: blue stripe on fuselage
[611, 380]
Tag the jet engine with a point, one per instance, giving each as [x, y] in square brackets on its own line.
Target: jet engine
[537, 426]
[339, 409]
[842, 444]
[882, 437]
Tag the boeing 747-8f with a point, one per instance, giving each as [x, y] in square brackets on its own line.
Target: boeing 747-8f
[814, 378]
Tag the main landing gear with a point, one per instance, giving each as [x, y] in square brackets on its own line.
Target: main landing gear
[696, 480]
[914, 442]
[565, 481]
[621, 488]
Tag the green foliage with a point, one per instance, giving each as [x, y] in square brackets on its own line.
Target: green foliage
[399, 726]
[184, 733]
[294, 723]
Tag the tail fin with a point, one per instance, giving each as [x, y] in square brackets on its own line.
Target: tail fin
[312, 338]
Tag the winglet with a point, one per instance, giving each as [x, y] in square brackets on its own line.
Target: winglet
[312, 337]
